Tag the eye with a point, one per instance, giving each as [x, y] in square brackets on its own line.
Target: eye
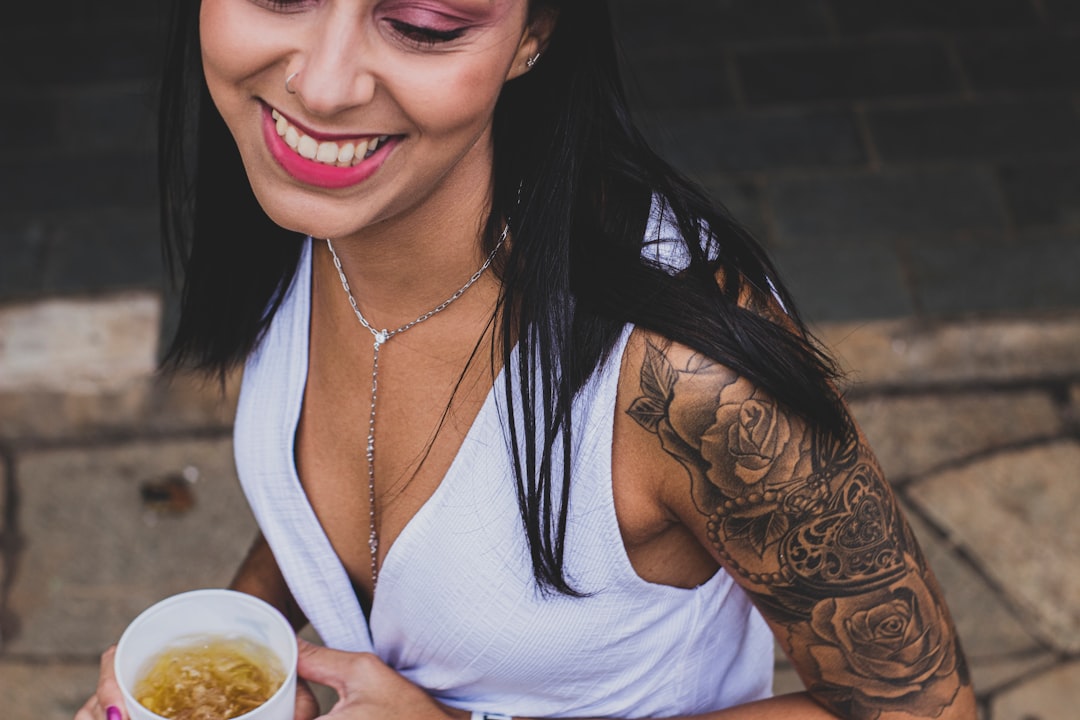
[285, 6]
[424, 36]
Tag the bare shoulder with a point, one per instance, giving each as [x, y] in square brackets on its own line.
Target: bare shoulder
[807, 524]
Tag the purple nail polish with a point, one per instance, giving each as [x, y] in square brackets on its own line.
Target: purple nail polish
[113, 713]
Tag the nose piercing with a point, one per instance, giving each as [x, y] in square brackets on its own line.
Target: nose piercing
[290, 79]
[532, 61]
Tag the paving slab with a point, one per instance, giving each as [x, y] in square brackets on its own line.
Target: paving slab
[79, 346]
[1042, 193]
[1021, 62]
[45, 691]
[870, 208]
[25, 246]
[786, 680]
[108, 531]
[984, 130]
[1072, 412]
[1014, 515]
[744, 142]
[915, 353]
[153, 405]
[842, 280]
[1002, 274]
[644, 27]
[858, 16]
[914, 434]
[1063, 11]
[1052, 695]
[886, 68]
[5, 539]
[991, 675]
[998, 647]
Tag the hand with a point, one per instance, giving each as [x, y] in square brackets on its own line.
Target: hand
[369, 689]
[107, 703]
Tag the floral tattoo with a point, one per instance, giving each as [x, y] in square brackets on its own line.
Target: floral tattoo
[811, 528]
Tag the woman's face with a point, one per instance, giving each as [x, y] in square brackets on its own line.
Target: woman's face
[390, 105]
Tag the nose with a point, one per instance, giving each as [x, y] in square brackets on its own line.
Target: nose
[332, 68]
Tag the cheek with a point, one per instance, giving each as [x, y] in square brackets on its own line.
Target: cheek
[456, 99]
[236, 42]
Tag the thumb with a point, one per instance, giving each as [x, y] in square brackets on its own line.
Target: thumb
[335, 668]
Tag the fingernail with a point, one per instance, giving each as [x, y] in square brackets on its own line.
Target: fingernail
[113, 713]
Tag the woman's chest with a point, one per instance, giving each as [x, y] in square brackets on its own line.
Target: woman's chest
[387, 437]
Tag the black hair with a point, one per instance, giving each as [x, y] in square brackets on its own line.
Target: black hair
[578, 182]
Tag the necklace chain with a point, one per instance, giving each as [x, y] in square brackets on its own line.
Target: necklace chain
[380, 338]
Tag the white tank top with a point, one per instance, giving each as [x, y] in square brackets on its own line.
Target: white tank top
[457, 610]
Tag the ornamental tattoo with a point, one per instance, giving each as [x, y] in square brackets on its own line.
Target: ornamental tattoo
[811, 527]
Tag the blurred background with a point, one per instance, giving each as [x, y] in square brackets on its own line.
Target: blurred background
[912, 165]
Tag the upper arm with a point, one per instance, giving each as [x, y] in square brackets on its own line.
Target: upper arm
[808, 526]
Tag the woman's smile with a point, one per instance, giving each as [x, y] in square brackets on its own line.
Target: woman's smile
[329, 161]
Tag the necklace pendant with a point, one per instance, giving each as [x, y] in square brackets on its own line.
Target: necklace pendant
[381, 337]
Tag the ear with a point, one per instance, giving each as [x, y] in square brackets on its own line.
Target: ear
[534, 40]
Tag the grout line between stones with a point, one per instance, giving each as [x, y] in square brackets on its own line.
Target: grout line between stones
[963, 555]
[1055, 385]
[111, 440]
[904, 482]
[11, 543]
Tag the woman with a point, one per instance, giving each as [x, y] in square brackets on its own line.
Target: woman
[536, 426]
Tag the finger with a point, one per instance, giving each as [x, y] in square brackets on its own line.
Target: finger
[335, 668]
[307, 707]
[108, 694]
[90, 710]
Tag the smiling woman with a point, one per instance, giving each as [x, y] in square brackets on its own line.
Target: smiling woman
[530, 427]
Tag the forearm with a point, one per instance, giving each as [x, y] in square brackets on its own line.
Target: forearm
[259, 575]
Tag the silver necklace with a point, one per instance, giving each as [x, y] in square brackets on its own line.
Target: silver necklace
[380, 338]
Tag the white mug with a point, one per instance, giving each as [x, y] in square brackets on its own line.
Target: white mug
[224, 613]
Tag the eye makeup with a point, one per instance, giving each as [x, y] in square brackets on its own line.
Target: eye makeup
[444, 15]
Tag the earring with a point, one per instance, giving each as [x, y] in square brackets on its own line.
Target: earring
[532, 61]
[289, 80]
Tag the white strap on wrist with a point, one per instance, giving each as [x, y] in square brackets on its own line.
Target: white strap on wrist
[477, 715]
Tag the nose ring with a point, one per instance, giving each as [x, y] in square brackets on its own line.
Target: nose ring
[288, 80]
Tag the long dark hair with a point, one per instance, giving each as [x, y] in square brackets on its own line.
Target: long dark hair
[578, 182]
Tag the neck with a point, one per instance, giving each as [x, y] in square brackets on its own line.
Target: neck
[401, 268]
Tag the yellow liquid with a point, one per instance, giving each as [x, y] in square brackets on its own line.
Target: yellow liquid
[210, 678]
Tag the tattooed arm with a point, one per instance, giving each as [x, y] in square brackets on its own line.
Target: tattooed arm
[809, 528]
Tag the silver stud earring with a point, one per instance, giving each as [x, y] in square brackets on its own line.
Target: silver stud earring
[532, 61]
[288, 80]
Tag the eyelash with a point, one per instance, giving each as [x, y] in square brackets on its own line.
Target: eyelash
[283, 6]
[425, 37]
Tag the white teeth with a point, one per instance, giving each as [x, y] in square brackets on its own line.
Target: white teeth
[292, 137]
[308, 148]
[326, 152]
[346, 153]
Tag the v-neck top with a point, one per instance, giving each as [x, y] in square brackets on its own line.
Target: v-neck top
[457, 610]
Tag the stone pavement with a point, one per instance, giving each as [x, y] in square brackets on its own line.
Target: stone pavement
[913, 165]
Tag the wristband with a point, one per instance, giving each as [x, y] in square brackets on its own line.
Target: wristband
[477, 715]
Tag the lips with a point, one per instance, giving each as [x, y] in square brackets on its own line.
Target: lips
[320, 160]
[340, 153]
